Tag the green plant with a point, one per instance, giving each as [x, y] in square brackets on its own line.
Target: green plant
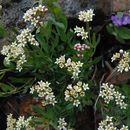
[57, 67]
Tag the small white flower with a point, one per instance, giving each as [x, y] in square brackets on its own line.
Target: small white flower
[76, 103]
[81, 32]
[86, 16]
[61, 61]
[124, 127]
[5, 50]
[62, 124]
[44, 91]
[73, 93]
[35, 15]
[124, 59]
[20, 123]
[72, 67]
[26, 37]
[16, 51]
[10, 122]
[108, 124]
[108, 93]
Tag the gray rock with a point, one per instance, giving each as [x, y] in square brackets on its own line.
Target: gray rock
[72, 7]
[13, 11]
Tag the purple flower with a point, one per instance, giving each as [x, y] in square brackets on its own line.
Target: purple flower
[125, 20]
[120, 21]
[116, 20]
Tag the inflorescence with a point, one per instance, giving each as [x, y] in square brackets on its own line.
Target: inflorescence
[16, 51]
[85, 16]
[73, 93]
[20, 123]
[108, 124]
[118, 20]
[80, 48]
[72, 67]
[81, 32]
[36, 15]
[62, 124]
[44, 91]
[124, 59]
[108, 93]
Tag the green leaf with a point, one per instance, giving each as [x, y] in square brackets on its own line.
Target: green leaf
[110, 29]
[120, 14]
[19, 80]
[3, 31]
[46, 30]
[48, 114]
[5, 87]
[43, 43]
[123, 32]
[95, 61]
[69, 106]
[56, 23]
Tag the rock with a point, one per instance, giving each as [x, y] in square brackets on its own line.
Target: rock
[72, 7]
[13, 11]
[120, 5]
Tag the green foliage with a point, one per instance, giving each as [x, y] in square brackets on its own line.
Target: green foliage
[55, 39]
[121, 33]
[3, 31]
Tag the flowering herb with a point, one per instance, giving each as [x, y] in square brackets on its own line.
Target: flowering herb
[108, 93]
[73, 93]
[45, 92]
[18, 124]
[81, 48]
[72, 67]
[120, 20]
[108, 124]
[40, 53]
[36, 15]
[87, 15]
[124, 59]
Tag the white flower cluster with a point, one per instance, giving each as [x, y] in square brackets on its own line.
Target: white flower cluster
[81, 32]
[73, 67]
[13, 124]
[108, 124]
[45, 92]
[86, 16]
[10, 122]
[61, 61]
[62, 124]
[73, 93]
[15, 52]
[108, 93]
[124, 59]
[35, 15]
[80, 48]
[26, 37]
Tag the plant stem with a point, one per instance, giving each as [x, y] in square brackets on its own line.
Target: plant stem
[95, 105]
